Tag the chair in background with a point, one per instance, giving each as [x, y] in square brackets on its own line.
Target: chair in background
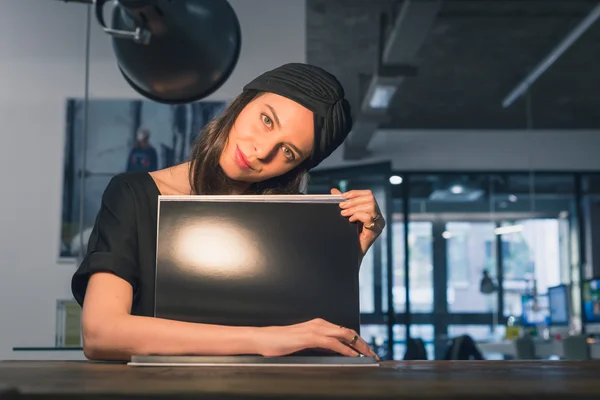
[415, 350]
[525, 348]
[463, 348]
[576, 348]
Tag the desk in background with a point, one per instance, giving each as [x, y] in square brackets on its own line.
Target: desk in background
[543, 348]
[48, 353]
[392, 380]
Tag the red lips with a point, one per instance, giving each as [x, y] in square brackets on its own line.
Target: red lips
[241, 160]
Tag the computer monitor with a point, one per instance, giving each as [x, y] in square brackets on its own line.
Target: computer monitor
[591, 301]
[535, 310]
[558, 302]
[256, 260]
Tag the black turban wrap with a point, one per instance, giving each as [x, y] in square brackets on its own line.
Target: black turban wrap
[320, 92]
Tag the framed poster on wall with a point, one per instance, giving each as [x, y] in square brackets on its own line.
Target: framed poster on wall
[122, 135]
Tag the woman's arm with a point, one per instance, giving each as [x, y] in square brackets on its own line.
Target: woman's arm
[110, 332]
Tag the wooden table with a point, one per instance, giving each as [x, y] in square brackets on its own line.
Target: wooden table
[398, 380]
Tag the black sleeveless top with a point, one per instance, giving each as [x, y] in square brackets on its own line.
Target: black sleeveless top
[123, 240]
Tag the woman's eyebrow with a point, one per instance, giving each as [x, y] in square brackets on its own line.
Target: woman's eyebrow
[274, 115]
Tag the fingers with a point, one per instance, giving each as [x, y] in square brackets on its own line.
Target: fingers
[344, 337]
[364, 204]
[335, 191]
[365, 218]
[357, 193]
[365, 208]
[367, 199]
[330, 343]
[351, 338]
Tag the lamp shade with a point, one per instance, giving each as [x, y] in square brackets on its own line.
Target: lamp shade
[174, 51]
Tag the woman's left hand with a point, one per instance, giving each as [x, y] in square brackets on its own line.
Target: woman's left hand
[361, 206]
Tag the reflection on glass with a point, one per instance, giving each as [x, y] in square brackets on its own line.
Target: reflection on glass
[531, 260]
[471, 249]
[420, 266]
[223, 249]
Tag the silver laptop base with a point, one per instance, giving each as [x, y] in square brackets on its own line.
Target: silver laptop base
[298, 361]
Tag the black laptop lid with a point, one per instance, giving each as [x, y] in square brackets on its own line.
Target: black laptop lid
[256, 260]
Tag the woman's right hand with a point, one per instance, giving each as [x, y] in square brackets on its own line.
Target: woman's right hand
[317, 333]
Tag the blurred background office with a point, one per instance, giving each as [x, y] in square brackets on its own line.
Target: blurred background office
[477, 126]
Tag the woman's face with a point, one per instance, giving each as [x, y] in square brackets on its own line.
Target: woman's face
[271, 136]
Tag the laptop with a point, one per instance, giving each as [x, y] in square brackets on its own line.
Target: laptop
[256, 261]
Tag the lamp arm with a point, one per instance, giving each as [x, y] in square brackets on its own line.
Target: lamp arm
[140, 35]
[78, 1]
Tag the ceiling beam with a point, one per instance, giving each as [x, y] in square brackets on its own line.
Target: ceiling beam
[554, 55]
[355, 146]
[396, 62]
[411, 28]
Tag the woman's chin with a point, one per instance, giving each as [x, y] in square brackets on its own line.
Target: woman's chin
[241, 176]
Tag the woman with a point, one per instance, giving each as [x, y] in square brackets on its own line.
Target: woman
[285, 122]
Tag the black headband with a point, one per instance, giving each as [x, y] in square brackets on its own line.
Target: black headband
[320, 92]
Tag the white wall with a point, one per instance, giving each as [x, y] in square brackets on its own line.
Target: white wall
[42, 54]
[441, 150]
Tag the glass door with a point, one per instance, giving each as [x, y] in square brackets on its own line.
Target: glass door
[450, 243]
[376, 304]
[472, 285]
[446, 264]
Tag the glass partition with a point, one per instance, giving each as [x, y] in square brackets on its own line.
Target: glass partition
[477, 244]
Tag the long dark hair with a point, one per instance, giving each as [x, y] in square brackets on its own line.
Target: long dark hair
[206, 175]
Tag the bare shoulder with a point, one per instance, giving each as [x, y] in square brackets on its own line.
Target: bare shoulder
[172, 181]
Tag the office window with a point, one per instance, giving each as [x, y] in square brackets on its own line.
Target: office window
[477, 332]
[423, 332]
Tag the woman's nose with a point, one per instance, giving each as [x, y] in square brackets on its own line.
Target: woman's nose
[264, 148]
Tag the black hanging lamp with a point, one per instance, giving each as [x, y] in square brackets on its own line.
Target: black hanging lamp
[173, 51]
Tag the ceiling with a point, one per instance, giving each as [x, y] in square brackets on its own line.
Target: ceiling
[475, 53]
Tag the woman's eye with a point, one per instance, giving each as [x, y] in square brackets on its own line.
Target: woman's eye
[267, 121]
[288, 153]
